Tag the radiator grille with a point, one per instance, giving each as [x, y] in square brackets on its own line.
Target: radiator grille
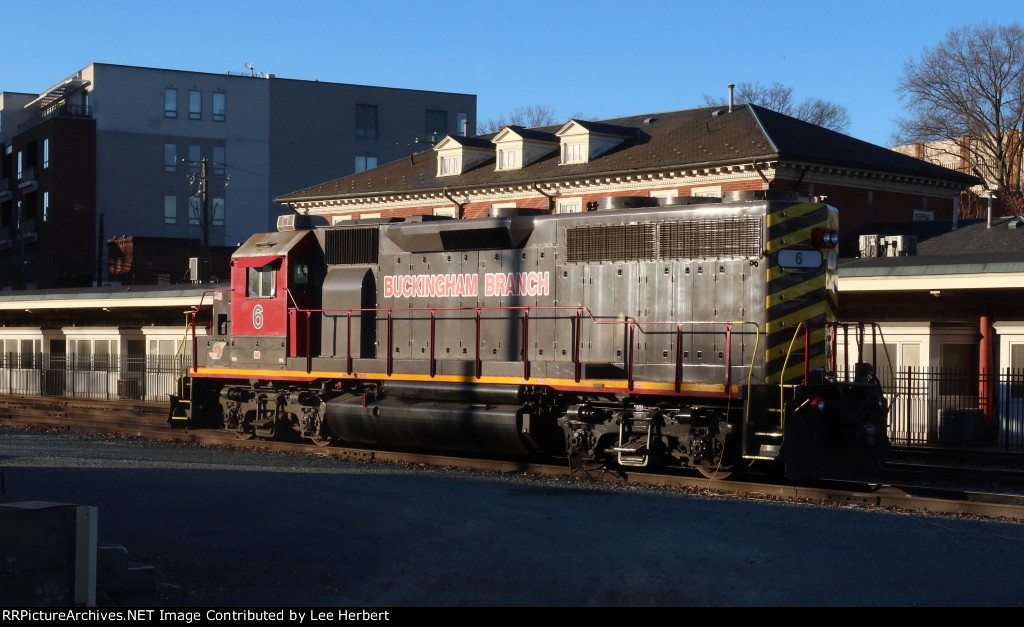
[620, 242]
[714, 238]
[711, 238]
[351, 245]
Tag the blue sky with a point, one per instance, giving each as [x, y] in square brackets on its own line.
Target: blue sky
[598, 59]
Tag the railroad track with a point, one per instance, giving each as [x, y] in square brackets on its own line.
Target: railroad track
[921, 487]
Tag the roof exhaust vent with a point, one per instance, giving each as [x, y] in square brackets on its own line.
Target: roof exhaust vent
[731, 85]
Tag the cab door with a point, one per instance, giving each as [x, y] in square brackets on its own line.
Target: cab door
[259, 311]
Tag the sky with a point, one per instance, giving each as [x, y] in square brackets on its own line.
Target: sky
[597, 59]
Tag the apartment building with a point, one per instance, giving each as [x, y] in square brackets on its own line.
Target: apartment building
[116, 151]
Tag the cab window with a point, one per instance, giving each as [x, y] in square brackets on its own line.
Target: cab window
[300, 278]
[261, 282]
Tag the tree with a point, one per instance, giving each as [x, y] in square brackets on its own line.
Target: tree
[779, 98]
[965, 98]
[528, 117]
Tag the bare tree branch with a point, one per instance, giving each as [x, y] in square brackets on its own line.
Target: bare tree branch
[526, 116]
[965, 98]
[779, 98]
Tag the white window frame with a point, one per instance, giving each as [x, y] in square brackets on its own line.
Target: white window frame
[508, 159]
[664, 193]
[574, 152]
[569, 205]
[922, 215]
[708, 191]
[446, 212]
[339, 219]
[448, 166]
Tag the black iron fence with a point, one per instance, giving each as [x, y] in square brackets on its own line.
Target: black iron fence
[926, 405]
[956, 407]
[92, 376]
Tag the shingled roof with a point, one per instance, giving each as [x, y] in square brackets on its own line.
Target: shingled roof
[688, 140]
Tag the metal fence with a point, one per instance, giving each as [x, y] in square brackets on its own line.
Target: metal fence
[951, 407]
[100, 377]
[927, 406]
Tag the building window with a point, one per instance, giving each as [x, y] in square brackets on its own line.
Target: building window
[446, 212]
[504, 205]
[195, 105]
[366, 121]
[574, 153]
[219, 159]
[194, 209]
[449, 165]
[508, 159]
[365, 163]
[713, 191]
[260, 282]
[569, 205]
[340, 219]
[665, 193]
[195, 157]
[170, 158]
[46, 205]
[219, 106]
[217, 208]
[46, 153]
[170, 103]
[462, 123]
[170, 209]
[436, 126]
[1016, 370]
[21, 165]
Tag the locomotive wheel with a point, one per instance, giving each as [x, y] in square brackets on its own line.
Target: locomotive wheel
[714, 472]
[321, 440]
[241, 435]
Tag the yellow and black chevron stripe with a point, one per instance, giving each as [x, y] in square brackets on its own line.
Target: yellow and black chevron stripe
[798, 300]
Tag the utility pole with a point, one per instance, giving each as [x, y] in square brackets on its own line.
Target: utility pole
[204, 220]
[100, 244]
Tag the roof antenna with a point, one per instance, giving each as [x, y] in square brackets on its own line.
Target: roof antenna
[731, 85]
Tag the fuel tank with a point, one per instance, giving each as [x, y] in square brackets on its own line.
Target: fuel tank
[426, 424]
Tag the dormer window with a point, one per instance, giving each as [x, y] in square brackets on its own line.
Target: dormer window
[574, 153]
[449, 165]
[517, 147]
[457, 155]
[508, 159]
[582, 141]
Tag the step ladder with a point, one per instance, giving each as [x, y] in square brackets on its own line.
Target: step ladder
[633, 448]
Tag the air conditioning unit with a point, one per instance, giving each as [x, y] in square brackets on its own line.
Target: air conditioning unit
[869, 246]
[294, 222]
[898, 245]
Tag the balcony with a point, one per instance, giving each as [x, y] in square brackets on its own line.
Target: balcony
[5, 190]
[63, 110]
[27, 180]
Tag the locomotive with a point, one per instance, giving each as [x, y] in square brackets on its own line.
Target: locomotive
[686, 333]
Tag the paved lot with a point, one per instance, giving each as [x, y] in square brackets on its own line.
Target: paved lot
[240, 529]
